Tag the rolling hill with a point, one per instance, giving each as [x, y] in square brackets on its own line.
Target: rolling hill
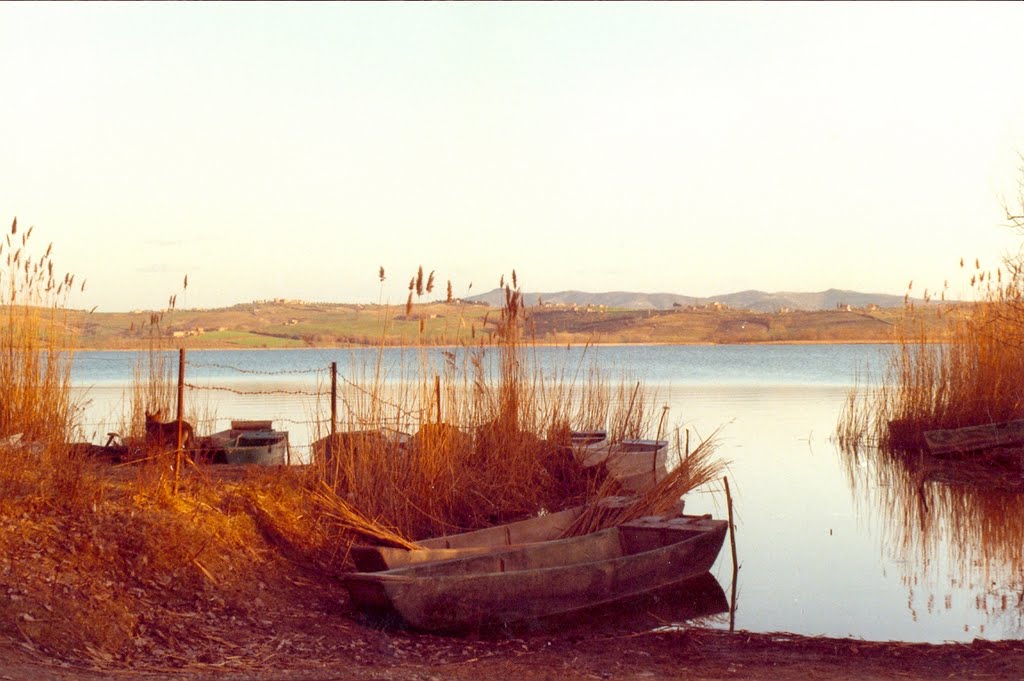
[756, 301]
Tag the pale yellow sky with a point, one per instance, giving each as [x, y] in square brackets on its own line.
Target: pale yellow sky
[289, 150]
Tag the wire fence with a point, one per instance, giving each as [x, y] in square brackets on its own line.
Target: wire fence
[216, 395]
[306, 401]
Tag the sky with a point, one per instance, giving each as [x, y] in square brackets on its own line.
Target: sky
[289, 150]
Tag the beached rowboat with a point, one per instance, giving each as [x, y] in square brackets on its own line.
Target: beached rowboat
[531, 530]
[547, 578]
[539, 528]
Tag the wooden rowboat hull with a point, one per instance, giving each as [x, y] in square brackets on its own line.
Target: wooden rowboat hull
[975, 438]
[637, 465]
[531, 530]
[540, 580]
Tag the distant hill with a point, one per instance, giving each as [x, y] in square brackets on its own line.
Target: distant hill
[757, 301]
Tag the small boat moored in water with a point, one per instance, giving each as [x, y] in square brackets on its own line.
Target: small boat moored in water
[975, 438]
[533, 581]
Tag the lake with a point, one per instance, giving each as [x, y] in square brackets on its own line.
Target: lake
[830, 543]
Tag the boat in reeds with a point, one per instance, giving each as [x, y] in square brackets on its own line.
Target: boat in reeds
[248, 442]
[975, 438]
[537, 580]
[539, 528]
[544, 527]
[637, 465]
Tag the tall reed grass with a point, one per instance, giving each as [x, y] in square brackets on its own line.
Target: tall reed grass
[968, 375]
[154, 386]
[36, 343]
[37, 411]
[481, 437]
[94, 553]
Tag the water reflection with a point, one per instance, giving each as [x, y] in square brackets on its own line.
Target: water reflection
[816, 559]
[954, 527]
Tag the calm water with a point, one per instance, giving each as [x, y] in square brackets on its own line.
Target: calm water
[829, 544]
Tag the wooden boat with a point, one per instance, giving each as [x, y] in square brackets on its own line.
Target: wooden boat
[539, 580]
[661, 609]
[587, 438]
[248, 442]
[538, 528]
[975, 438]
[531, 530]
[637, 465]
[350, 441]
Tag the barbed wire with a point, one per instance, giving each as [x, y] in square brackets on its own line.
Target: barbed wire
[236, 391]
[281, 372]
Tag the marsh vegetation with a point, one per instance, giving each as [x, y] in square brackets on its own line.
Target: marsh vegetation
[108, 564]
[963, 371]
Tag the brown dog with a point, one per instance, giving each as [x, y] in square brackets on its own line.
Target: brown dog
[166, 434]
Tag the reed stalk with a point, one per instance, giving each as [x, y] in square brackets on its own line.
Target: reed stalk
[965, 376]
[37, 411]
[500, 450]
[701, 467]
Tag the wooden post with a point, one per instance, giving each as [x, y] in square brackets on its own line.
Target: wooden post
[334, 400]
[657, 441]
[181, 417]
[735, 564]
[437, 391]
[331, 440]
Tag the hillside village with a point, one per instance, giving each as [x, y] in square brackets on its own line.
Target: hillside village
[280, 322]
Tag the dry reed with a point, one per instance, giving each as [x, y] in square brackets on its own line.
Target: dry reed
[35, 344]
[700, 467]
[473, 436]
[966, 376]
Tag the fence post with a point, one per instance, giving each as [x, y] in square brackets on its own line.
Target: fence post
[181, 417]
[437, 391]
[329, 449]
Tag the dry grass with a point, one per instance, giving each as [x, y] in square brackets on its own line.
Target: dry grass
[490, 434]
[123, 572]
[695, 469]
[103, 564]
[35, 343]
[967, 376]
[93, 557]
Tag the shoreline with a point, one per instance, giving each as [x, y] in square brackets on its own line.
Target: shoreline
[686, 652]
[427, 346]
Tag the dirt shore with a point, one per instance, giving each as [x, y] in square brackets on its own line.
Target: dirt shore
[691, 654]
[304, 630]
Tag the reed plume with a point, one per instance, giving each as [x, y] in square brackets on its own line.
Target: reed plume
[476, 435]
[700, 467]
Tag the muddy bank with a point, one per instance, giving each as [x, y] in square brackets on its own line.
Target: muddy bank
[306, 631]
[688, 654]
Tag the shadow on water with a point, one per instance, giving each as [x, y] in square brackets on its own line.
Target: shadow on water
[949, 524]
